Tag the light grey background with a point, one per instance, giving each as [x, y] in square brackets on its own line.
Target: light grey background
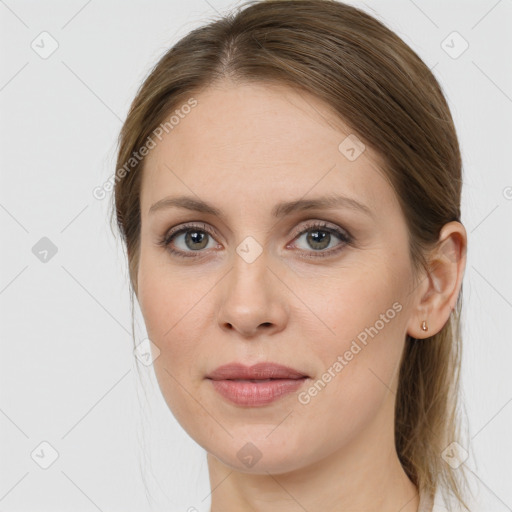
[68, 374]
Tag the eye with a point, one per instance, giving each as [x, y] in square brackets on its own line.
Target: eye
[319, 236]
[193, 238]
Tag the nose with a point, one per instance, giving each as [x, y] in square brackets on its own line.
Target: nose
[252, 299]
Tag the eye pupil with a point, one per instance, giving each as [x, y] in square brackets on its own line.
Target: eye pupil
[192, 236]
[315, 239]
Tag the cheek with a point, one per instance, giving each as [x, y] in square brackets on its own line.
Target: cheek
[168, 311]
[360, 367]
[169, 315]
[361, 302]
[361, 349]
[174, 308]
[163, 297]
[154, 304]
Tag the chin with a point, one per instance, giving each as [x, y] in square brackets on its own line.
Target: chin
[256, 452]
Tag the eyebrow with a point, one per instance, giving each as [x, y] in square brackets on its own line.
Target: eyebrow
[280, 210]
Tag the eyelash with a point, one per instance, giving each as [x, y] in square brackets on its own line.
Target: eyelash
[343, 235]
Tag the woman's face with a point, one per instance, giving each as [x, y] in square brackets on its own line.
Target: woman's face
[247, 286]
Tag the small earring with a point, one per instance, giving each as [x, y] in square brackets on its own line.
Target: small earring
[424, 326]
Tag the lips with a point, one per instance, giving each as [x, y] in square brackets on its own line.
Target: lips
[257, 385]
[257, 373]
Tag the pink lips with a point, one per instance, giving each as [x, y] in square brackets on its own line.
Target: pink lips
[255, 385]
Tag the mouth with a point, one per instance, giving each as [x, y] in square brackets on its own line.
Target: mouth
[261, 372]
[252, 380]
[257, 385]
[256, 392]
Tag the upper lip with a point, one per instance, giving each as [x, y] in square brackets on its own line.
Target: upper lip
[235, 370]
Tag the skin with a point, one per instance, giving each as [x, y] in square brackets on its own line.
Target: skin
[244, 148]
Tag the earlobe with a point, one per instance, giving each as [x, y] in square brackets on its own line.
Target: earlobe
[447, 263]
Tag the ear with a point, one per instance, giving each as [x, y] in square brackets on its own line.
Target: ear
[438, 292]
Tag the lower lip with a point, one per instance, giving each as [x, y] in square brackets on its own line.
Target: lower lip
[256, 393]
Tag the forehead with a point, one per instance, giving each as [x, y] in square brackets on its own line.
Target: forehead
[259, 142]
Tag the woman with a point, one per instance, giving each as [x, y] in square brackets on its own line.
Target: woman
[288, 189]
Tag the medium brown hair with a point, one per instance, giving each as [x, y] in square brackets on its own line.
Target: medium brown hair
[382, 90]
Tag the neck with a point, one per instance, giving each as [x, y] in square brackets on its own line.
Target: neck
[364, 475]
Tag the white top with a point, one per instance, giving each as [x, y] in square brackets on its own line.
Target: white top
[438, 504]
